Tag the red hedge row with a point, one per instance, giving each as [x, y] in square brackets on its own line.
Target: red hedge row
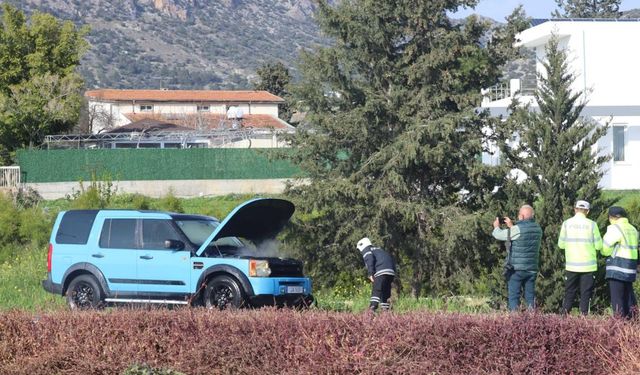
[196, 341]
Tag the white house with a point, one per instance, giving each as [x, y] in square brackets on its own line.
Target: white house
[218, 116]
[603, 55]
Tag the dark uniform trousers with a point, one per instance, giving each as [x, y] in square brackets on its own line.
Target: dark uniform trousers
[621, 297]
[381, 292]
[574, 280]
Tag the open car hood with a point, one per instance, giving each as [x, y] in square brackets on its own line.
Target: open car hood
[256, 220]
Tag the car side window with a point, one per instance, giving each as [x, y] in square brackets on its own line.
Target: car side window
[75, 227]
[119, 234]
[155, 232]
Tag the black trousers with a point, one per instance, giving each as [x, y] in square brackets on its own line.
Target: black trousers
[381, 292]
[574, 280]
[621, 297]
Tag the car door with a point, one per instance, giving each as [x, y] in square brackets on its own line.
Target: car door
[116, 255]
[162, 272]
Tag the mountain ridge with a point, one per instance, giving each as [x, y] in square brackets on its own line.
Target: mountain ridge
[197, 44]
[184, 44]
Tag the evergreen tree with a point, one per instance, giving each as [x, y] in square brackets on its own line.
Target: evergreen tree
[392, 150]
[555, 152]
[40, 91]
[588, 9]
[275, 78]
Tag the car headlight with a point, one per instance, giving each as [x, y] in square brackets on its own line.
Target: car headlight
[259, 268]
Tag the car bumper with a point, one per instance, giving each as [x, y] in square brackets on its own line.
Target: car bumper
[288, 300]
[50, 286]
[280, 286]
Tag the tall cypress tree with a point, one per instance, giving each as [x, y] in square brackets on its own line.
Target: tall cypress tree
[555, 151]
[393, 141]
[588, 9]
[274, 77]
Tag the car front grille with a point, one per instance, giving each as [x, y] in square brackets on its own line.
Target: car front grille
[286, 268]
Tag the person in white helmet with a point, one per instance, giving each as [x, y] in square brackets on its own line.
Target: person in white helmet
[381, 268]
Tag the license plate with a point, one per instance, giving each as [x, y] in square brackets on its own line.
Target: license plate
[295, 289]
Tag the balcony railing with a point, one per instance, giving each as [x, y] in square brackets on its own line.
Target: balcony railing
[504, 90]
[9, 177]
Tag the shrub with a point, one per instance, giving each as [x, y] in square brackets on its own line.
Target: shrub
[34, 226]
[140, 202]
[8, 220]
[131, 201]
[147, 370]
[97, 195]
[170, 203]
[27, 197]
[196, 341]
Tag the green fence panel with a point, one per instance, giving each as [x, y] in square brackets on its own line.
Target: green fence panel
[153, 164]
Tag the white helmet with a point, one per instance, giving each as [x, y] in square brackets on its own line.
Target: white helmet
[363, 243]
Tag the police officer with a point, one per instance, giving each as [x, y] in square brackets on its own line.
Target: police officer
[620, 245]
[580, 239]
[381, 268]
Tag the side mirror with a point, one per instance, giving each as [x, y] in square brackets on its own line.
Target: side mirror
[173, 244]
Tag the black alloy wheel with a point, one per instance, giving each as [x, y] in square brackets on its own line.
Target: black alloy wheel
[223, 292]
[84, 293]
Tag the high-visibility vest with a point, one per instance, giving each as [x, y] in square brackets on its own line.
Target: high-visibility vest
[580, 239]
[620, 243]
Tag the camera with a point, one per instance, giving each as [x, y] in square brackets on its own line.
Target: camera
[501, 220]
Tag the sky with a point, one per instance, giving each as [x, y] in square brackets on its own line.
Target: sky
[499, 9]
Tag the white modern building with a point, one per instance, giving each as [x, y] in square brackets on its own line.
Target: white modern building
[603, 56]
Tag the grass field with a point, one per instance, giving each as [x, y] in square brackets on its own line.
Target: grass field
[22, 276]
[23, 267]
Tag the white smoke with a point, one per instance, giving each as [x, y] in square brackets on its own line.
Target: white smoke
[267, 248]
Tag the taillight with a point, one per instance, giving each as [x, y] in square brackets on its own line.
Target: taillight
[49, 255]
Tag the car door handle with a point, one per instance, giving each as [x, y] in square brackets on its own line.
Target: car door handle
[146, 257]
[97, 255]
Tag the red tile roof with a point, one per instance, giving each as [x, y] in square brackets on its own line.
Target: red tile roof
[149, 125]
[183, 96]
[212, 121]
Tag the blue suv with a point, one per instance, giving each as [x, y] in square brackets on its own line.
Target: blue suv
[127, 256]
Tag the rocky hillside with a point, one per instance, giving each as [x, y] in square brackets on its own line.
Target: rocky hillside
[196, 43]
[184, 43]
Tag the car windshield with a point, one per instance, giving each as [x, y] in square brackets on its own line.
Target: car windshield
[197, 231]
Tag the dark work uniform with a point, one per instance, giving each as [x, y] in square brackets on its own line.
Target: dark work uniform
[381, 265]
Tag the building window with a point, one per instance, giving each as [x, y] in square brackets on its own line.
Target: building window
[618, 142]
[202, 108]
[146, 108]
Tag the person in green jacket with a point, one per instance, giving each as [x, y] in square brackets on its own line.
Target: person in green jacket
[524, 255]
[620, 245]
[580, 239]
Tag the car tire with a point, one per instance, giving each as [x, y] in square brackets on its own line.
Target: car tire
[223, 292]
[84, 293]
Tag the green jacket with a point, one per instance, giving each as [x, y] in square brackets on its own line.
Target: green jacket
[525, 249]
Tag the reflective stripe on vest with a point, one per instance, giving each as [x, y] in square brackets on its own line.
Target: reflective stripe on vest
[582, 264]
[621, 269]
[579, 244]
[623, 262]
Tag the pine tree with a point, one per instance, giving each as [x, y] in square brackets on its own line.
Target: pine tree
[275, 78]
[588, 9]
[394, 141]
[555, 151]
